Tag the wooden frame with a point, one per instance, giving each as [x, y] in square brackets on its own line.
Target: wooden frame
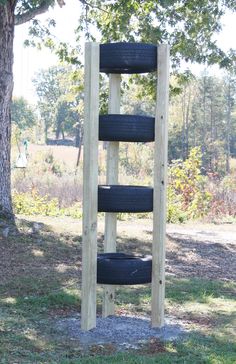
[160, 187]
[112, 178]
[89, 253]
[90, 186]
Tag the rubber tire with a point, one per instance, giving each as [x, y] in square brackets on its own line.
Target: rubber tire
[118, 198]
[128, 58]
[126, 128]
[123, 269]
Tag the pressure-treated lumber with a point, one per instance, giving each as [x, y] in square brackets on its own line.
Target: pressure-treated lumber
[160, 186]
[90, 185]
[112, 178]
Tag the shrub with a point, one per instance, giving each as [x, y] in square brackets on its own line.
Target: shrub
[74, 211]
[34, 204]
[223, 204]
[175, 212]
[187, 188]
[136, 159]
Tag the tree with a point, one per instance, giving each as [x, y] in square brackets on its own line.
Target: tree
[47, 85]
[203, 115]
[207, 122]
[59, 90]
[12, 12]
[22, 114]
[230, 96]
[187, 25]
[180, 116]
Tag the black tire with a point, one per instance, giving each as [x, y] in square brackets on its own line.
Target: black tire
[128, 58]
[126, 128]
[120, 268]
[118, 198]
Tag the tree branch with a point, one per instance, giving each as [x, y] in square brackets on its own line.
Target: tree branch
[84, 2]
[30, 14]
[43, 8]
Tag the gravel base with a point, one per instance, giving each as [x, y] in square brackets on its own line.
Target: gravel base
[123, 331]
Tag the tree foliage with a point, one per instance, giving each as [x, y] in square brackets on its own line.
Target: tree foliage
[186, 190]
[188, 26]
[202, 115]
[12, 12]
[23, 114]
[59, 90]
[27, 10]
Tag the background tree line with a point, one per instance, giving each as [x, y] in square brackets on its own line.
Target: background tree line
[188, 26]
[202, 114]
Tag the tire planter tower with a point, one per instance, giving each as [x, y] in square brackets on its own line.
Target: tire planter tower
[115, 59]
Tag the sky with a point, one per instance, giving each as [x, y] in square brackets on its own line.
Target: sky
[28, 61]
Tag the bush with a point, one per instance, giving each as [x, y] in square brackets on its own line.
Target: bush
[49, 177]
[187, 194]
[175, 213]
[34, 204]
[74, 211]
[223, 204]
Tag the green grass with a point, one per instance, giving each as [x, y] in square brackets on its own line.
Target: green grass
[34, 300]
[196, 350]
[26, 333]
[200, 290]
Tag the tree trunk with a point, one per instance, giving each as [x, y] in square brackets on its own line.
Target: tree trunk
[228, 126]
[58, 131]
[183, 124]
[187, 120]
[78, 135]
[6, 87]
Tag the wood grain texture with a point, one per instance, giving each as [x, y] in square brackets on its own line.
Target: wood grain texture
[112, 178]
[90, 185]
[160, 187]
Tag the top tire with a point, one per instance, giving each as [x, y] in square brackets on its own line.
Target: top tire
[128, 58]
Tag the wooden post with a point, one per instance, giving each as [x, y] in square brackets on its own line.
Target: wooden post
[160, 186]
[90, 185]
[112, 178]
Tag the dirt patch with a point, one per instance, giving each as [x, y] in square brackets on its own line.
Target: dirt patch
[198, 250]
[37, 263]
[188, 258]
[191, 251]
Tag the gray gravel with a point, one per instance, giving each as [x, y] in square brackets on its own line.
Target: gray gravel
[123, 331]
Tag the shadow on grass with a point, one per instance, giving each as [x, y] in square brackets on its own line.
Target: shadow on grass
[197, 349]
[40, 278]
[199, 290]
[190, 258]
[35, 266]
[179, 291]
[38, 263]
[22, 348]
[31, 343]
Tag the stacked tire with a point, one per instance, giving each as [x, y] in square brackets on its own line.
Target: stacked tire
[125, 58]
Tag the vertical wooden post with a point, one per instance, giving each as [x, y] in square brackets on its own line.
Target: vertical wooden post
[112, 178]
[90, 185]
[160, 185]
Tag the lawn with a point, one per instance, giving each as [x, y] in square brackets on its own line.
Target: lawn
[40, 285]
